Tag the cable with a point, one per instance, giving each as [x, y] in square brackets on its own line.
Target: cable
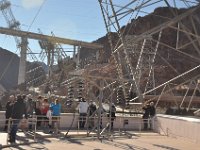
[8, 65]
[36, 15]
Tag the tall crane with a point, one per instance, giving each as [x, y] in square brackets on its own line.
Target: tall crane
[50, 39]
[21, 43]
[51, 51]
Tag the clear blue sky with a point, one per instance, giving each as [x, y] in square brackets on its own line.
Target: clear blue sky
[73, 19]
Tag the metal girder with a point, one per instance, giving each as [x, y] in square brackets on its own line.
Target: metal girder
[52, 39]
[136, 57]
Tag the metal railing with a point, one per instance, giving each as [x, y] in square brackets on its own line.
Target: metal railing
[94, 126]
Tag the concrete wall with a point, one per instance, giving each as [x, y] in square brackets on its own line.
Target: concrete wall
[182, 127]
[127, 122]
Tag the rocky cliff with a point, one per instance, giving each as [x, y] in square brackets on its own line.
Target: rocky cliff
[9, 69]
[169, 63]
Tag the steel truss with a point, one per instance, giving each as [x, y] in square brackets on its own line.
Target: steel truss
[139, 53]
[99, 90]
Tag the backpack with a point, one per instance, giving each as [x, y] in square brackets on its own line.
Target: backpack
[92, 109]
[37, 104]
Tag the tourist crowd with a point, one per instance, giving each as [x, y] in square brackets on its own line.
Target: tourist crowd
[22, 108]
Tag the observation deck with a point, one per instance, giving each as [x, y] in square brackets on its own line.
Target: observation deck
[169, 132]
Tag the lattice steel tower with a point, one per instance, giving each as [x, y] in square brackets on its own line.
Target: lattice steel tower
[137, 50]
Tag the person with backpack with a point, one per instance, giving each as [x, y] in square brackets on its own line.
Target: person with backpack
[29, 108]
[152, 113]
[9, 109]
[145, 117]
[91, 112]
[19, 109]
[37, 107]
[112, 114]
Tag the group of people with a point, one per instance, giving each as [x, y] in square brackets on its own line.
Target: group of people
[148, 115]
[23, 107]
[90, 111]
[48, 113]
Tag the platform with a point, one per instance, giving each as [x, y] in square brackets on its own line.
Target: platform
[77, 140]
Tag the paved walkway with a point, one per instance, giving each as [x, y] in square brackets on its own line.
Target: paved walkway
[79, 141]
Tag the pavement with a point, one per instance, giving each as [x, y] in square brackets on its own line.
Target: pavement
[78, 140]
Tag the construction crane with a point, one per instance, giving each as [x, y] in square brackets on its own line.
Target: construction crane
[22, 36]
[51, 39]
[53, 52]
[21, 43]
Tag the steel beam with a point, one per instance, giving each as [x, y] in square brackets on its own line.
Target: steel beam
[52, 39]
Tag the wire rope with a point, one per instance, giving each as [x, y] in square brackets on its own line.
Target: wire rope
[41, 6]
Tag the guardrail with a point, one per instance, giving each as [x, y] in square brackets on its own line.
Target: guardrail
[101, 126]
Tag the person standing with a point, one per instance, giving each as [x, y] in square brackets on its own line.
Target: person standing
[112, 113]
[37, 107]
[83, 108]
[29, 109]
[100, 113]
[152, 112]
[146, 114]
[56, 110]
[44, 109]
[19, 109]
[91, 112]
[29, 105]
[9, 109]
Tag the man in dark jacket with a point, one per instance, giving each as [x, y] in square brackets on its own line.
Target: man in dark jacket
[19, 109]
[91, 111]
[152, 112]
[146, 114]
[111, 115]
[9, 109]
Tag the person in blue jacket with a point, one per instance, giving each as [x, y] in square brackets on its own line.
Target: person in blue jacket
[56, 110]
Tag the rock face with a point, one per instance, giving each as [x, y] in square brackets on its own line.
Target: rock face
[168, 63]
[9, 68]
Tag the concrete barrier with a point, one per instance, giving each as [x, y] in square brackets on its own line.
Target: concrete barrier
[181, 127]
[121, 122]
[174, 126]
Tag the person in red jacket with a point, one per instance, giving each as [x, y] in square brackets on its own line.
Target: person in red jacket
[44, 109]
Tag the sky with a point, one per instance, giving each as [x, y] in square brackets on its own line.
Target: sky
[73, 19]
